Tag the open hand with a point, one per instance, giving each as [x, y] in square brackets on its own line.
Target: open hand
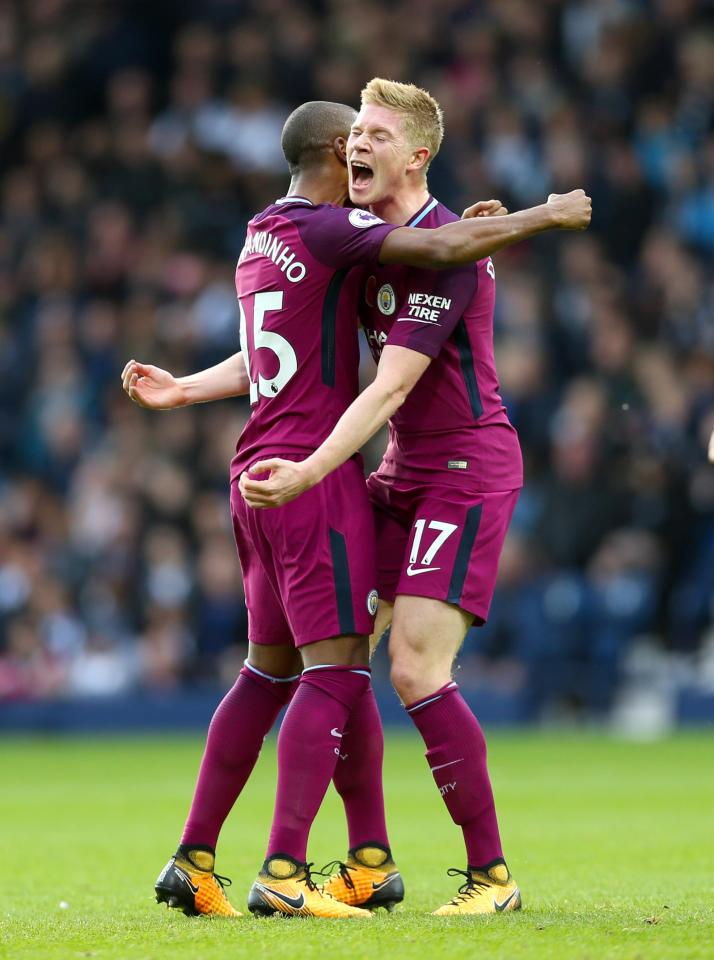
[572, 210]
[485, 208]
[151, 386]
[286, 480]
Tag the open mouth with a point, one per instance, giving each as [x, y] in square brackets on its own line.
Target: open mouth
[362, 174]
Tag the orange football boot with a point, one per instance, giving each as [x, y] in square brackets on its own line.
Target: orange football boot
[491, 891]
[285, 887]
[368, 879]
[188, 883]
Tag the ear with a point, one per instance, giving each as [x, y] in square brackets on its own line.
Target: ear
[340, 147]
[419, 159]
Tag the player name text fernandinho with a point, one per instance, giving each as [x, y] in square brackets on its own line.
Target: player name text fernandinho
[426, 306]
[264, 243]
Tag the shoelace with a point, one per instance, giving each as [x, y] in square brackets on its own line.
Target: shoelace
[307, 879]
[222, 881]
[344, 871]
[468, 889]
[325, 872]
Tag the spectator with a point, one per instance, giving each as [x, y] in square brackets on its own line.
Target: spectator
[135, 148]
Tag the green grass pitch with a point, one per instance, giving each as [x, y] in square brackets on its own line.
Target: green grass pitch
[612, 843]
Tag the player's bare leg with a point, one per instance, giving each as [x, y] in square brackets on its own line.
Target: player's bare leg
[335, 676]
[280, 661]
[420, 664]
[235, 736]
[425, 637]
[381, 623]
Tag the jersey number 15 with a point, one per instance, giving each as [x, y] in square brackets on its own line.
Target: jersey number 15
[263, 303]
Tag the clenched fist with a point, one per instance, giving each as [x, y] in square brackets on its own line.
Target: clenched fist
[572, 211]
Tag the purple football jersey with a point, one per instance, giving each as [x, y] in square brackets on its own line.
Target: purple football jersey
[453, 423]
[298, 319]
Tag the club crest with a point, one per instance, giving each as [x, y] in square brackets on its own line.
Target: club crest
[386, 300]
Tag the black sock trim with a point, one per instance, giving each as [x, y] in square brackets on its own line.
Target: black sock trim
[487, 867]
[299, 864]
[373, 844]
[184, 851]
[370, 843]
[184, 848]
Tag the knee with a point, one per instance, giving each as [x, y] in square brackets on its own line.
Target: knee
[408, 678]
[417, 670]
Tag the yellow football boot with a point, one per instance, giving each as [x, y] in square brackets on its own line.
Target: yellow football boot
[368, 879]
[188, 883]
[285, 887]
[492, 891]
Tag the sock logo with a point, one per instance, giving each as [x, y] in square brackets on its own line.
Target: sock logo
[335, 732]
[441, 766]
[446, 788]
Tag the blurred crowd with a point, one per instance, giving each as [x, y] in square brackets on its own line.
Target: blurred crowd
[138, 139]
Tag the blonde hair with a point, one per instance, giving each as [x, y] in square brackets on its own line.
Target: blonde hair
[423, 117]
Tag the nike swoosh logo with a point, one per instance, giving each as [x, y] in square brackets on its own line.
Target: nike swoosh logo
[500, 907]
[411, 572]
[441, 766]
[383, 883]
[335, 732]
[186, 879]
[295, 902]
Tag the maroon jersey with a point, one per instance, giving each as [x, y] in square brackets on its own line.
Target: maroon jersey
[298, 320]
[453, 425]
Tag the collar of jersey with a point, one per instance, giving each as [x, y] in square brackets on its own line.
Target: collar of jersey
[294, 199]
[425, 210]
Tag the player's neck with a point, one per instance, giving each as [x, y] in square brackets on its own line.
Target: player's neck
[401, 206]
[318, 189]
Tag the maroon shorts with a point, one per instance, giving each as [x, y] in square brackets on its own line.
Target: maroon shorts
[309, 567]
[439, 541]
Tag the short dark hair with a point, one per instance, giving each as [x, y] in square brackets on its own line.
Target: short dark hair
[312, 129]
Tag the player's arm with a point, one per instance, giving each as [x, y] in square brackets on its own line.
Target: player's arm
[398, 371]
[711, 447]
[479, 235]
[157, 389]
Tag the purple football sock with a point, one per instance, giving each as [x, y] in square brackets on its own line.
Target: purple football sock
[358, 774]
[456, 753]
[235, 736]
[309, 745]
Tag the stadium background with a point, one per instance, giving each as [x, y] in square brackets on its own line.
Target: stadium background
[137, 140]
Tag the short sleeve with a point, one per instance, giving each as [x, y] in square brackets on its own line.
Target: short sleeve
[434, 303]
[344, 237]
